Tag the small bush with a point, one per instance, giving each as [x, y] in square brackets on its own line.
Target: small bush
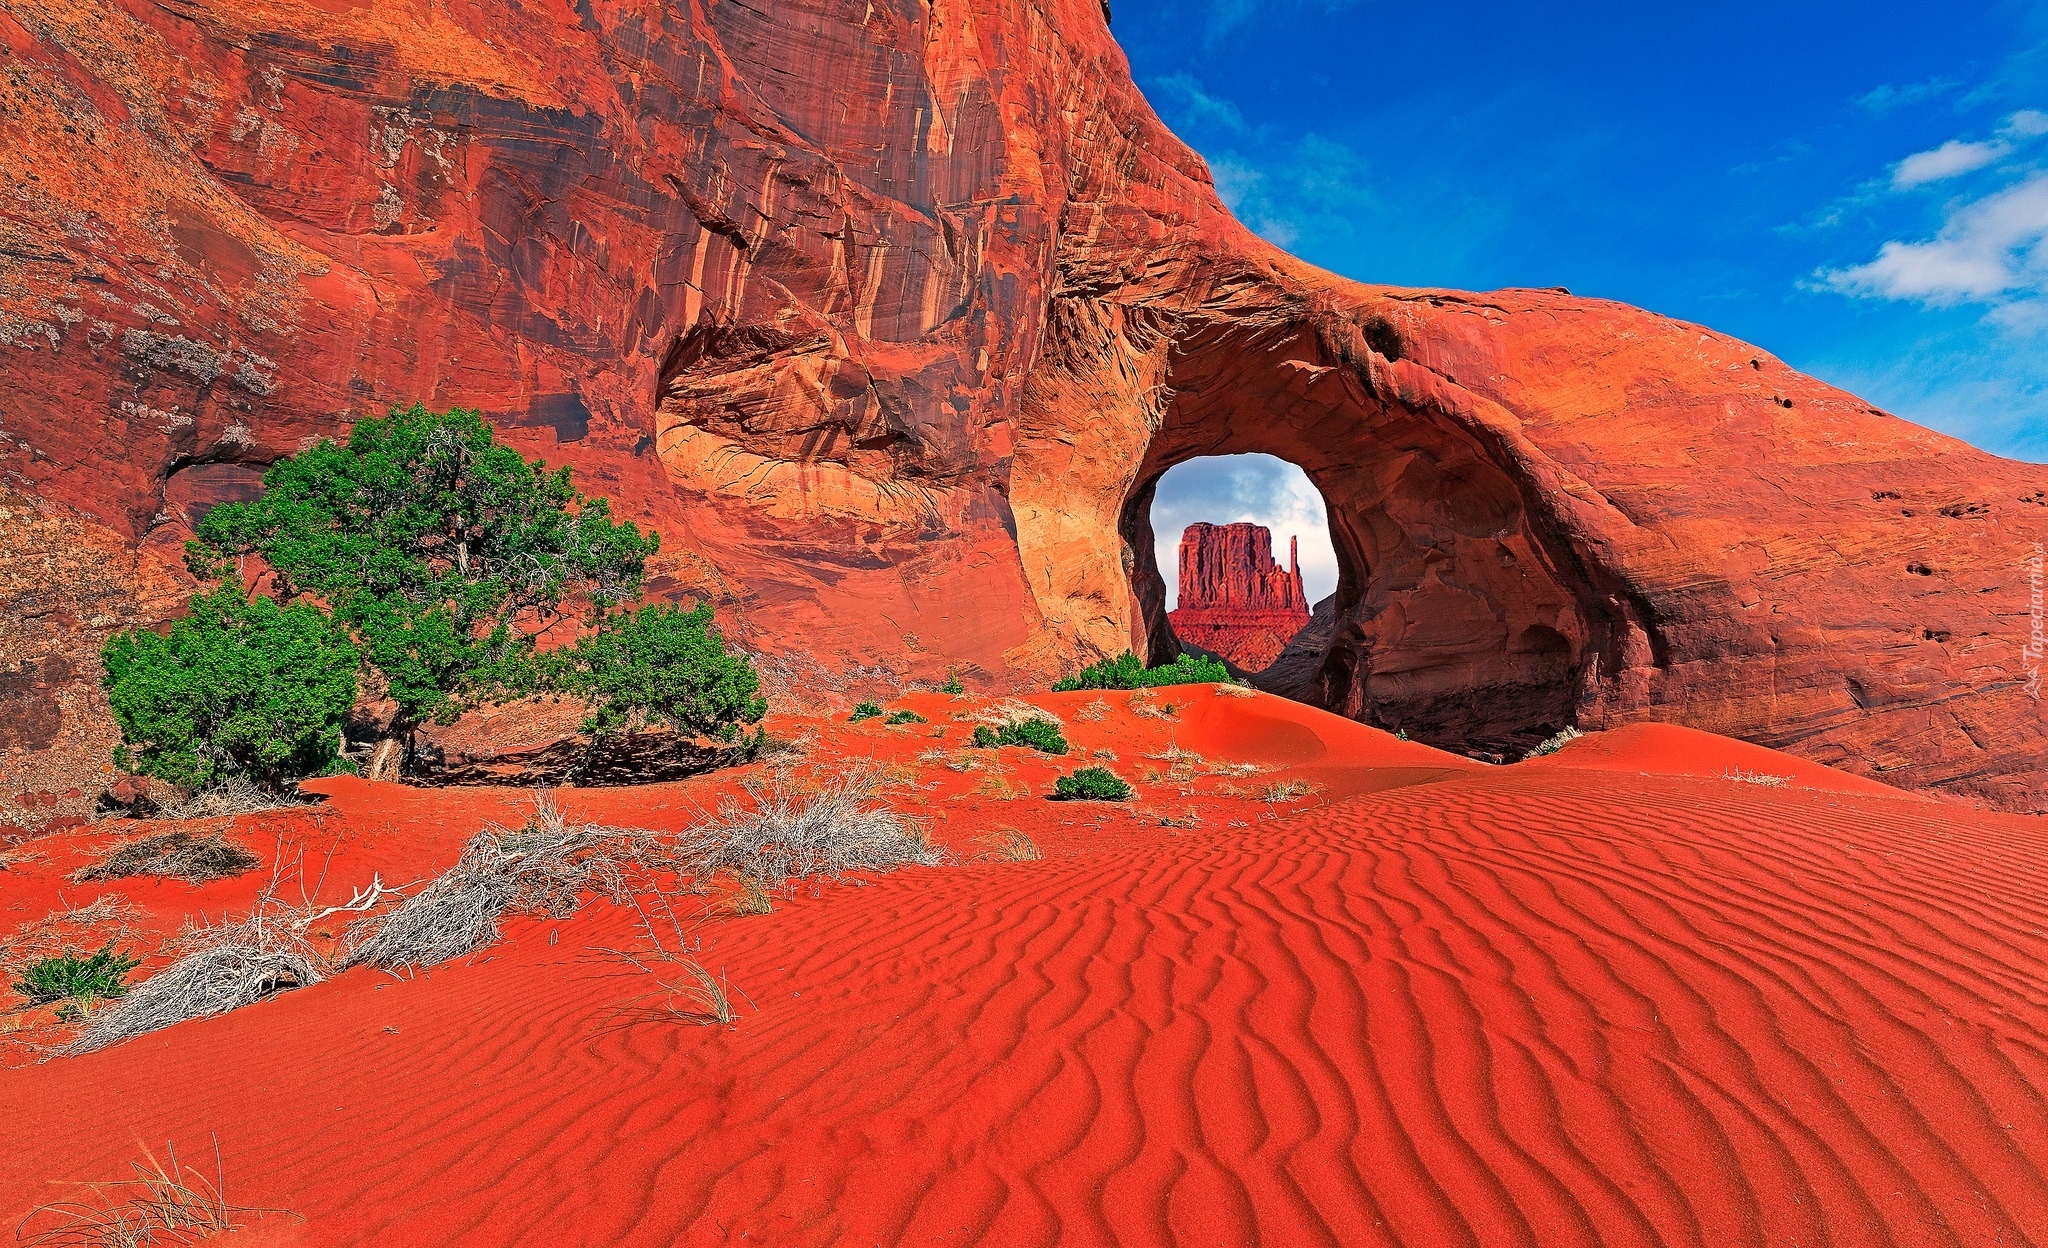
[1038, 734]
[905, 717]
[69, 977]
[1401, 734]
[236, 689]
[659, 665]
[789, 831]
[952, 684]
[1126, 672]
[1091, 784]
[866, 710]
[178, 855]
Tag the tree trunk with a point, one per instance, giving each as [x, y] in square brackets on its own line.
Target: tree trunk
[387, 760]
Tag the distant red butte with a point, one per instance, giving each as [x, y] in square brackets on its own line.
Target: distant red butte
[890, 317]
[1234, 599]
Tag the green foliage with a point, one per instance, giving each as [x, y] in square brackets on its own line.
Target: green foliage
[427, 537]
[1401, 734]
[1039, 734]
[1125, 672]
[905, 717]
[866, 710]
[1091, 784]
[236, 689]
[72, 978]
[659, 664]
[952, 684]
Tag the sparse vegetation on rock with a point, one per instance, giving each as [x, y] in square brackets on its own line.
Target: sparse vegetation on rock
[1126, 672]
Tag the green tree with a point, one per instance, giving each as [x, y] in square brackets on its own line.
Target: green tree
[430, 540]
[1126, 672]
[238, 688]
[659, 664]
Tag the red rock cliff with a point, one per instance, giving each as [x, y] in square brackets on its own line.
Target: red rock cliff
[890, 314]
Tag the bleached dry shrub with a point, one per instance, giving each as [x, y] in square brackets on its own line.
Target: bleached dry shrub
[1233, 770]
[544, 866]
[1235, 691]
[233, 796]
[224, 967]
[1145, 704]
[1739, 776]
[74, 929]
[180, 854]
[788, 830]
[1554, 744]
[1092, 711]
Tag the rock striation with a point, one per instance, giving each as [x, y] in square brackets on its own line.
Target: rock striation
[1235, 601]
[893, 347]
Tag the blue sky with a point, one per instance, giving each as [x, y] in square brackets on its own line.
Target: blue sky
[1862, 190]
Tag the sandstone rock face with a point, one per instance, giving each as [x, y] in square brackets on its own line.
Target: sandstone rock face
[889, 314]
[1234, 600]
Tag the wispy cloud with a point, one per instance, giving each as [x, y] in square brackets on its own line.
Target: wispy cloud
[1951, 158]
[1197, 106]
[1991, 250]
[1886, 97]
[1222, 18]
[2028, 123]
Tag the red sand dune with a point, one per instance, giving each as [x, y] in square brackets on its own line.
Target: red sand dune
[1612, 997]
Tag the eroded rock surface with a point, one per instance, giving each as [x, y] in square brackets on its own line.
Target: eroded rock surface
[889, 316]
[1235, 601]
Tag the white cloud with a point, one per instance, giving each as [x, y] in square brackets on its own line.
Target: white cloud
[2028, 123]
[1946, 161]
[1225, 489]
[1990, 250]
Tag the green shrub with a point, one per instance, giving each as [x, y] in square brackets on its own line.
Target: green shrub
[866, 710]
[952, 684]
[659, 664]
[1039, 734]
[1091, 784]
[236, 690]
[427, 538]
[69, 977]
[1126, 672]
[905, 717]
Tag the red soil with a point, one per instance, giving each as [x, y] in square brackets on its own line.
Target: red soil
[1612, 996]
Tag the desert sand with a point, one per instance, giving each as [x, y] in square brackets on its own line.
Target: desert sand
[1660, 987]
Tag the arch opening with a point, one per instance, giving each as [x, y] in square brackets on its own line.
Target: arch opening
[1451, 617]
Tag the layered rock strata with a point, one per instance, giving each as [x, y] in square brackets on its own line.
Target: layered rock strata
[889, 316]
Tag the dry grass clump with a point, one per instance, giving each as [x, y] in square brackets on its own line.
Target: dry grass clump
[230, 797]
[74, 929]
[748, 897]
[1234, 771]
[1011, 845]
[1740, 776]
[1187, 819]
[997, 784]
[1283, 791]
[936, 754]
[1092, 711]
[16, 855]
[180, 854]
[1145, 704]
[1012, 711]
[785, 831]
[962, 762]
[1106, 754]
[1235, 691]
[160, 1205]
[544, 866]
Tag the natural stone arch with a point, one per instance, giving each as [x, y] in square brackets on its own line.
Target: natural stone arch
[1454, 617]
